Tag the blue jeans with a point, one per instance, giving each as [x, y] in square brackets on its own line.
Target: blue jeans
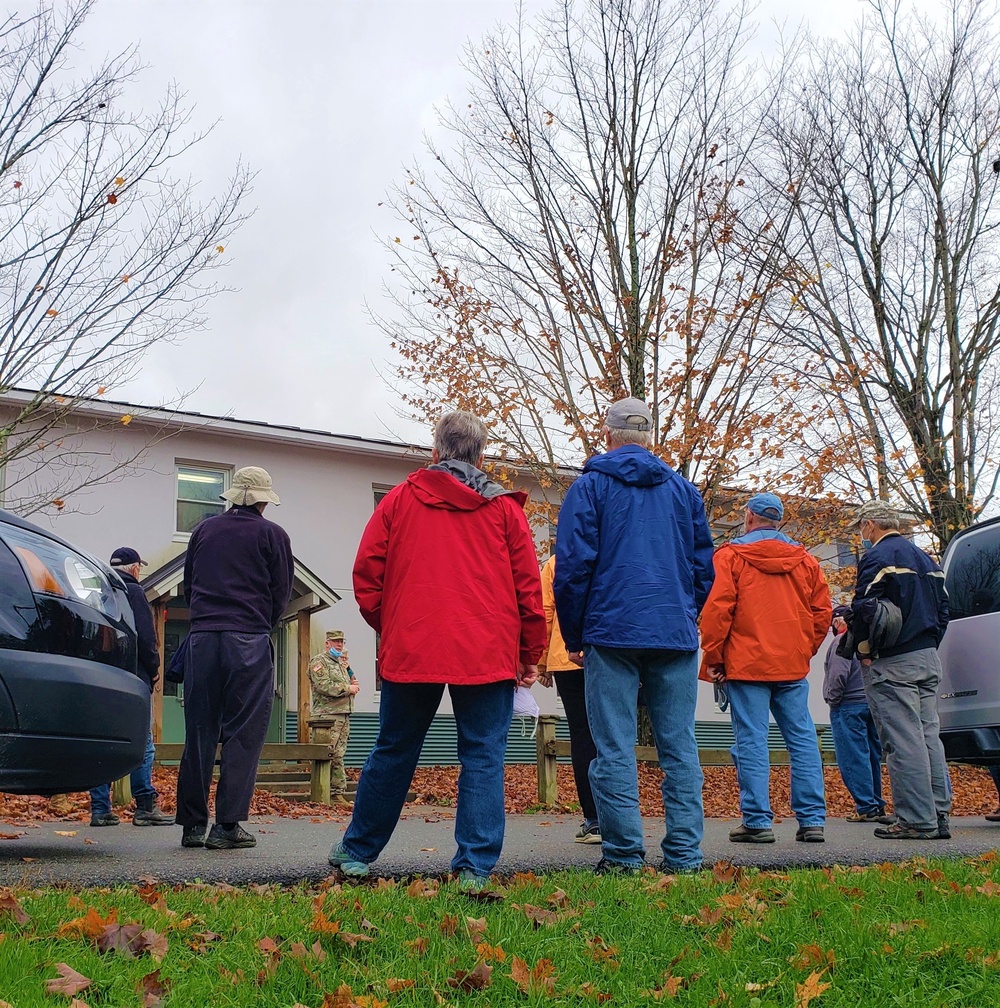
[749, 705]
[482, 718]
[669, 681]
[140, 780]
[859, 755]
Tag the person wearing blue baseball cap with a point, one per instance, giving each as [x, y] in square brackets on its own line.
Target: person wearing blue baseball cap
[766, 616]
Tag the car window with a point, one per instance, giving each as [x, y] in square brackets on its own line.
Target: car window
[973, 573]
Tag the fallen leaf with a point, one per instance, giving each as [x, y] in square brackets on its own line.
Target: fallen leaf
[476, 926]
[63, 832]
[449, 925]
[475, 979]
[494, 952]
[352, 939]
[428, 850]
[418, 946]
[394, 986]
[152, 989]
[812, 955]
[10, 905]
[69, 982]
[91, 925]
[540, 978]
[810, 989]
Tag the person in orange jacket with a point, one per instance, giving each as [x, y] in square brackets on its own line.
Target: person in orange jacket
[766, 616]
[560, 669]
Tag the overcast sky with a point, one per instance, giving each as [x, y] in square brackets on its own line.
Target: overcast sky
[326, 100]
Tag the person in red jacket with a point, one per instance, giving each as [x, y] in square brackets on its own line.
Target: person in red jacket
[766, 616]
[447, 574]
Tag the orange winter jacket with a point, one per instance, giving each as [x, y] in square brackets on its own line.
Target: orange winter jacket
[555, 658]
[768, 611]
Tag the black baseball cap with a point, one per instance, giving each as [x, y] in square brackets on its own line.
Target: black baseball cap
[125, 556]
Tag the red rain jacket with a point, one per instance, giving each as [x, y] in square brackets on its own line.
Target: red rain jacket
[767, 614]
[450, 580]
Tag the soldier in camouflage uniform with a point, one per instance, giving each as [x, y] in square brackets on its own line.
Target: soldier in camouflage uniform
[333, 690]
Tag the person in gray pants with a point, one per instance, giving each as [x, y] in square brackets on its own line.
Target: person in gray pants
[898, 617]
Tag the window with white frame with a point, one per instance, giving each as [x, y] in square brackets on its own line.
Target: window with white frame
[198, 489]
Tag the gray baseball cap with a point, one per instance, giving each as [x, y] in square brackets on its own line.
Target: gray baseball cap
[629, 414]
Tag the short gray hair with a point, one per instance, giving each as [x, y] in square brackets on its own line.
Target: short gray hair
[460, 436]
[886, 522]
[623, 436]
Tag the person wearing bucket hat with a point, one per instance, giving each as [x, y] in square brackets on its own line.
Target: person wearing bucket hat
[855, 736]
[333, 687]
[898, 616]
[765, 618]
[237, 582]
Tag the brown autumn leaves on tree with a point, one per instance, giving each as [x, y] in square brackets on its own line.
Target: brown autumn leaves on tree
[626, 204]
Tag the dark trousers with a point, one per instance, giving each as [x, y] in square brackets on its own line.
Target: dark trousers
[228, 693]
[571, 690]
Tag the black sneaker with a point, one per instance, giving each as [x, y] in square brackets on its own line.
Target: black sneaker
[751, 834]
[105, 819]
[902, 831]
[606, 867]
[152, 817]
[193, 836]
[810, 834]
[944, 827]
[220, 838]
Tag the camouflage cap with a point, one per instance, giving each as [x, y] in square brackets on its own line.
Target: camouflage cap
[877, 510]
[335, 635]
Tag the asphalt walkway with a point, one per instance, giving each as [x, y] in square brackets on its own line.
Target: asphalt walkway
[292, 849]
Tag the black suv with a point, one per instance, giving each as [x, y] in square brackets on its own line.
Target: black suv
[72, 712]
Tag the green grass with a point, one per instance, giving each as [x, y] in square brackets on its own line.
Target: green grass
[918, 934]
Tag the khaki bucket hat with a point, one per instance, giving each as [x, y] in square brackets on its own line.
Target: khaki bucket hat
[251, 485]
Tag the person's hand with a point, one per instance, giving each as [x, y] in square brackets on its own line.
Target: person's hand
[866, 661]
[545, 679]
[355, 688]
[576, 657]
[527, 675]
[717, 673]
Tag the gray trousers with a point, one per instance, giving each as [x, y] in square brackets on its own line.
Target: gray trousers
[902, 694]
[228, 693]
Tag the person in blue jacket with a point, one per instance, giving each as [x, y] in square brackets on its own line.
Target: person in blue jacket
[633, 570]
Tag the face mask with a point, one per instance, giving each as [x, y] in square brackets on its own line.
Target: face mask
[333, 652]
[866, 544]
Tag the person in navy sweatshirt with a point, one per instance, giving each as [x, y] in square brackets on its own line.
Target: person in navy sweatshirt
[237, 581]
[902, 671]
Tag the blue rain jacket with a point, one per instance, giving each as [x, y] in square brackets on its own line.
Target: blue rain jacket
[633, 555]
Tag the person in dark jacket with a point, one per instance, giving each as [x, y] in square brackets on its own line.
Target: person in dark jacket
[237, 581]
[633, 570]
[855, 737]
[902, 675]
[127, 562]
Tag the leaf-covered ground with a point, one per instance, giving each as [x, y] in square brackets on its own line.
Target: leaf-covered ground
[974, 794]
[922, 933]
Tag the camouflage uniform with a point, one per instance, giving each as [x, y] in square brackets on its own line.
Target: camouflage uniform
[332, 700]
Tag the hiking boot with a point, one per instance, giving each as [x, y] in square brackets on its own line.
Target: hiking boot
[751, 834]
[901, 831]
[589, 834]
[343, 861]
[810, 834]
[193, 836]
[342, 799]
[152, 817]
[944, 827]
[606, 867]
[104, 819]
[875, 817]
[470, 882]
[220, 838]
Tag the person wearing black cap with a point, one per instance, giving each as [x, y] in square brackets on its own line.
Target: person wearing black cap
[855, 737]
[127, 562]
